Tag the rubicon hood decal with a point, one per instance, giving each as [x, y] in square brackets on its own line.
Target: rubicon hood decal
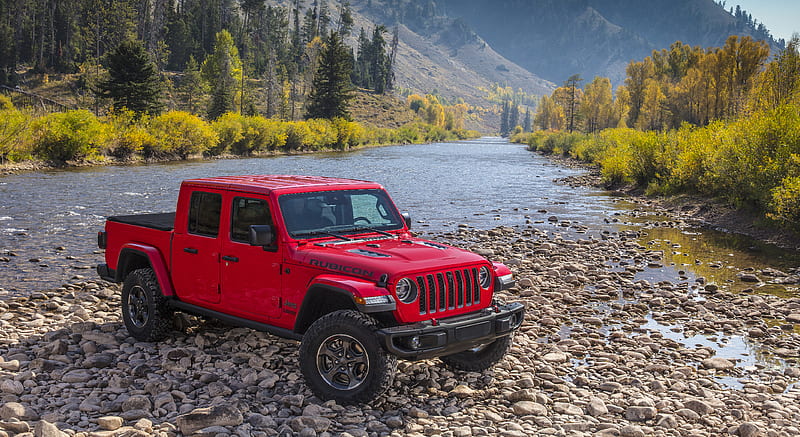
[341, 267]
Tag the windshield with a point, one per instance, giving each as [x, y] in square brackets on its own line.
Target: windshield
[334, 213]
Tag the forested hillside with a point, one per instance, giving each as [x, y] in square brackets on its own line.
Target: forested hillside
[277, 44]
[558, 38]
[722, 122]
[458, 50]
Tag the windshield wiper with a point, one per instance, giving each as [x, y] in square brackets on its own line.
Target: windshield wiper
[313, 233]
[367, 228]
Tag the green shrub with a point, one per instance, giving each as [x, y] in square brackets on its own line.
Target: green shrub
[614, 168]
[128, 135]
[13, 132]
[5, 103]
[590, 148]
[520, 137]
[321, 134]
[348, 133]
[230, 128]
[67, 136]
[406, 134]
[297, 133]
[785, 204]
[180, 134]
[264, 134]
[435, 133]
[130, 142]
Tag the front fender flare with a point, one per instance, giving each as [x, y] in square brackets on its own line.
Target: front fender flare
[366, 295]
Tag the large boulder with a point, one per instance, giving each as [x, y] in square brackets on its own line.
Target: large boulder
[220, 415]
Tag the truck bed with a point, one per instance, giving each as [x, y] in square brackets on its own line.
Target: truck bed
[163, 221]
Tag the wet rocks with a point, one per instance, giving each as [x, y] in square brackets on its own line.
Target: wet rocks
[640, 414]
[586, 362]
[717, 363]
[110, 423]
[15, 410]
[748, 277]
[526, 408]
[46, 429]
[749, 429]
[221, 415]
[596, 407]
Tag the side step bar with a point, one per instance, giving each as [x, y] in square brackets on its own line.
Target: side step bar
[233, 320]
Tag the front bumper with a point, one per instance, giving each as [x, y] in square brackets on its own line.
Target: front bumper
[437, 338]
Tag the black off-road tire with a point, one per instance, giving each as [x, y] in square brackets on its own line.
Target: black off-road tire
[363, 372]
[146, 314]
[480, 358]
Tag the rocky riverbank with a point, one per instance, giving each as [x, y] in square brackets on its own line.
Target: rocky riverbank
[705, 212]
[584, 363]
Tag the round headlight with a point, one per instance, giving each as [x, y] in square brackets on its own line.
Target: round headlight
[484, 277]
[406, 290]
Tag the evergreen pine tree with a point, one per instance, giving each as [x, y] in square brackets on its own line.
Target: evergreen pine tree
[310, 24]
[526, 125]
[332, 89]
[223, 92]
[513, 116]
[223, 71]
[133, 81]
[192, 88]
[504, 127]
[360, 75]
[573, 100]
[379, 67]
[296, 35]
[346, 21]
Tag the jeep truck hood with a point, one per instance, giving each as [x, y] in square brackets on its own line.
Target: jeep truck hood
[392, 256]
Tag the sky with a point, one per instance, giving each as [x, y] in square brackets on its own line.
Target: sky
[782, 17]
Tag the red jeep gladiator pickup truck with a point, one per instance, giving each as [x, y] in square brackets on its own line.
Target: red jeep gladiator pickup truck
[326, 261]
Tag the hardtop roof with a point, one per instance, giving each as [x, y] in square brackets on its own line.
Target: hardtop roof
[280, 183]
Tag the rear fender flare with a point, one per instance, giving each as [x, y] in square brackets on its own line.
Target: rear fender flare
[154, 257]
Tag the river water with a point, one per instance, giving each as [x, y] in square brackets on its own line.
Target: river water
[49, 220]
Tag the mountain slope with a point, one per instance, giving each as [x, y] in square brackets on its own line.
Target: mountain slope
[558, 38]
[448, 58]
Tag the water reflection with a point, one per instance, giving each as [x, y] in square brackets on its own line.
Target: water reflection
[747, 355]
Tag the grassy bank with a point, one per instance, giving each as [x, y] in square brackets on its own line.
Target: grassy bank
[75, 137]
[752, 163]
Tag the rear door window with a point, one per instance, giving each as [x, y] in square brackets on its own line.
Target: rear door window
[204, 212]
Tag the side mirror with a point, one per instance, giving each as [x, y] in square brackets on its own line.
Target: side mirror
[261, 235]
[407, 218]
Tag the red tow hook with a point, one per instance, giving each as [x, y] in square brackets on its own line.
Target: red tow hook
[434, 322]
[496, 308]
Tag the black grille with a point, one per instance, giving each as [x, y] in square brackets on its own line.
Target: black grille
[448, 290]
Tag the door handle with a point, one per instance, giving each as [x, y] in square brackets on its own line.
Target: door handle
[189, 250]
[232, 259]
